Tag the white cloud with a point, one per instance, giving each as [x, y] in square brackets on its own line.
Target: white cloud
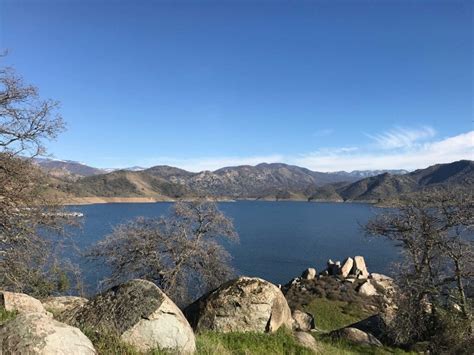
[409, 150]
[420, 156]
[402, 137]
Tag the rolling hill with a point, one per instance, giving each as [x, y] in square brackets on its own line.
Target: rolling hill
[264, 181]
[386, 186]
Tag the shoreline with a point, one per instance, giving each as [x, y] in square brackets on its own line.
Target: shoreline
[94, 200]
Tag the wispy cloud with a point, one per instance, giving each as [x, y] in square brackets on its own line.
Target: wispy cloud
[402, 137]
[404, 149]
[420, 156]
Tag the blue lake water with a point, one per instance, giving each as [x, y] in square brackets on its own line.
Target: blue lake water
[278, 240]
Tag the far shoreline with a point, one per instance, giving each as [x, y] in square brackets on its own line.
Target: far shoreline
[94, 200]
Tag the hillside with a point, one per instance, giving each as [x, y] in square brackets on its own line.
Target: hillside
[386, 186]
[263, 181]
[67, 169]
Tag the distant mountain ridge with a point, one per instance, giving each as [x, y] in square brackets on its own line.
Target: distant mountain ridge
[385, 186]
[67, 169]
[265, 181]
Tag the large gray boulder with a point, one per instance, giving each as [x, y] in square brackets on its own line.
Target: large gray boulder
[242, 305]
[356, 336]
[20, 302]
[36, 333]
[141, 314]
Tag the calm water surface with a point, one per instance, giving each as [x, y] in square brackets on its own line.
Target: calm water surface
[277, 239]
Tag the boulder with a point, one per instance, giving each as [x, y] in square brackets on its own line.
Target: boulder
[383, 282]
[360, 269]
[302, 321]
[141, 314]
[356, 336]
[242, 305]
[20, 303]
[64, 304]
[36, 333]
[346, 267]
[367, 289]
[307, 340]
[309, 274]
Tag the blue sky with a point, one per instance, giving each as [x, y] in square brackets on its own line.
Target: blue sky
[329, 85]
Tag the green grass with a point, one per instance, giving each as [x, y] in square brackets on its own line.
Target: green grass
[213, 343]
[330, 315]
[6, 315]
[281, 342]
[340, 347]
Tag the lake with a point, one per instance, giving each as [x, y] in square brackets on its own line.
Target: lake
[278, 240]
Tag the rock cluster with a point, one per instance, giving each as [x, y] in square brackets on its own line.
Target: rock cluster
[350, 275]
[141, 315]
[350, 270]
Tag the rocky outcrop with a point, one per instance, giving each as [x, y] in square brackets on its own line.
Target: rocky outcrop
[346, 267]
[356, 336]
[350, 268]
[36, 333]
[309, 274]
[367, 289]
[302, 321]
[241, 305]
[141, 314]
[64, 304]
[360, 269]
[20, 302]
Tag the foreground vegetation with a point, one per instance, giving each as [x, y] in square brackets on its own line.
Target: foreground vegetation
[214, 343]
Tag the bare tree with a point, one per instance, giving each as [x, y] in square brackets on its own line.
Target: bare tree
[180, 252]
[26, 120]
[434, 230]
[27, 210]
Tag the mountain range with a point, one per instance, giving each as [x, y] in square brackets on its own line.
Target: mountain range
[264, 181]
[386, 186]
